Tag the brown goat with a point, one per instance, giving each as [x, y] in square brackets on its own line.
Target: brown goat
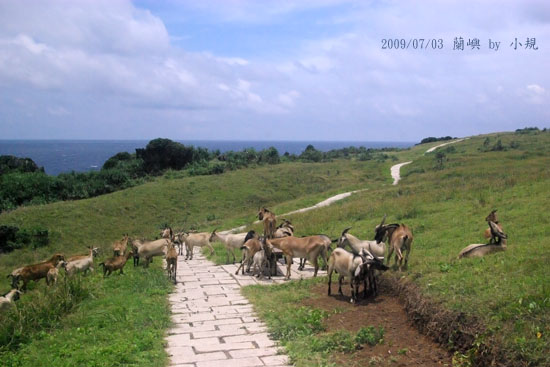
[172, 262]
[399, 239]
[250, 247]
[309, 247]
[120, 246]
[38, 271]
[269, 220]
[115, 263]
[492, 217]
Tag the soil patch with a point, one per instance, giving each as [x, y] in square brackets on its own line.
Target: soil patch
[403, 344]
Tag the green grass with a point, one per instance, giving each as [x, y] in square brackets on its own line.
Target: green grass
[90, 321]
[302, 329]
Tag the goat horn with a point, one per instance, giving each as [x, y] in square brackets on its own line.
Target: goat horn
[345, 231]
[383, 220]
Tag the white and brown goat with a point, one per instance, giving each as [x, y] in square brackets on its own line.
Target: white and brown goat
[7, 300]
[497, 243]
[399, 240]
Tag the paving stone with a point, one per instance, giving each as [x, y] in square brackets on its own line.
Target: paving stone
[256, 352]
[239, 362]
[223, 346]
[275, 360]
[192, 357]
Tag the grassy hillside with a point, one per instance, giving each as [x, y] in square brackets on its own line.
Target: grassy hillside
[446, 205]
[443, 198]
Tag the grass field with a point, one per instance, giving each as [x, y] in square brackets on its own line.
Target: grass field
[200, 203]
[443, 200]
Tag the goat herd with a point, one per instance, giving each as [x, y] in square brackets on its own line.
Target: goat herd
[360, 265]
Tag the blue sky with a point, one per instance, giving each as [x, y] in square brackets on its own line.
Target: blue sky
[269, 70]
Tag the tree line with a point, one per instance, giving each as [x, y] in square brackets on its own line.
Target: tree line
[22, 182]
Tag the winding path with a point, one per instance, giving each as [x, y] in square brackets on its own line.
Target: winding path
[395, 169]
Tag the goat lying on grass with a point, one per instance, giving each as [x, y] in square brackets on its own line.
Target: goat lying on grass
[497, 243]
[115, 263]
[37, 271]
[7, 299]
[399, 240]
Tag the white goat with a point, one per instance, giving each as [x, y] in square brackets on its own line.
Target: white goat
[81, 263]
[231, 241]
[261, 259]
[356, 245]
[7, 300]
[196, 240]
[148, 249]
[53, 273]
[347, 265]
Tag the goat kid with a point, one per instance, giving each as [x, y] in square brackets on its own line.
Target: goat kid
[53, 273]
[262, 259]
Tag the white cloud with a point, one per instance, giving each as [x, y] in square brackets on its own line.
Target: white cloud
[113, 63]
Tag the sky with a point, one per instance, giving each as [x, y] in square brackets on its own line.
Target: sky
[272, 70]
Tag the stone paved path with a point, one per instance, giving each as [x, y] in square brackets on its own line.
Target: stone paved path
[214, 325]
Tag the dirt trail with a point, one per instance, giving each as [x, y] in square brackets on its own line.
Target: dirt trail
[403, 345]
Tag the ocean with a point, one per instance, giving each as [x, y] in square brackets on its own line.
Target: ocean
[59, 156]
